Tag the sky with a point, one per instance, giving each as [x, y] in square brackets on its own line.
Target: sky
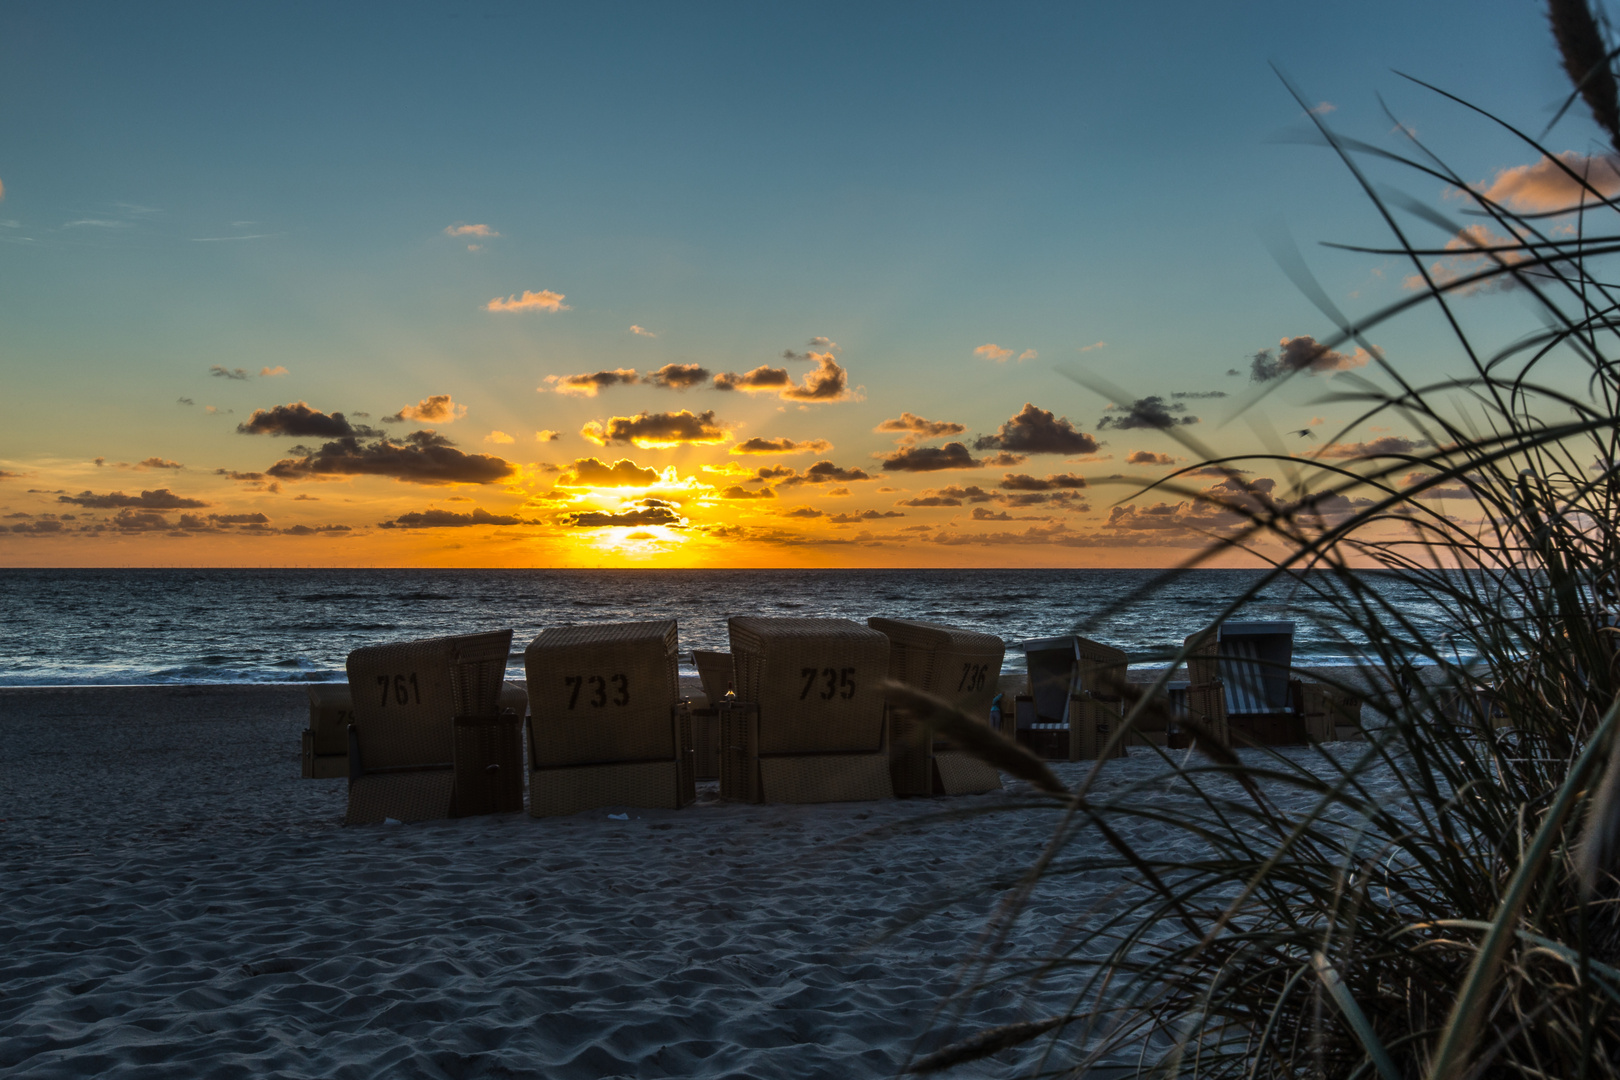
[494, 284]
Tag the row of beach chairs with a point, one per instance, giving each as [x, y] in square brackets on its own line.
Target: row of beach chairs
[794, 713]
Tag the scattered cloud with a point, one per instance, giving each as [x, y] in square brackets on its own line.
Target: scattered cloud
[1037, 431]
[865, 515]
[647, 512]
[590, 383]
[914, 428]
[547, 435]
[829, 382]
[763, 377]
[735, 492]
[679, 376]
[803, 512]
[593, 472]
[244, 477]
[782, 446]
[1094, 346]
[161, 499]
[1302, 353]
[1148, 412]
[1546, 185]
[95, 223]
[544, 300]
[992, 351]
[1029, 354]
[450, 519]
[156, 463]
[227, 373]
[1053, 482]
[930, 500]
[471, 230]
[1196, 395]
[499, 437]
[1149, 457]
[662, 429]
[1380, 447]
[437, 409]
[952, 455]
[1471, 259]
[422, 457]
[300, 420]
[184, 401]
[1322, 108]
[822, 472]
[272, 372]
[641, 331]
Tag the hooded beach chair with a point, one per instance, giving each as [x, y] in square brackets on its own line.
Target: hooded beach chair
[964, 668]
[809, 723]
[606, 725]
[406, 699]
[1073, 706]
[1251, 663]
[714, 668]
[331, 711]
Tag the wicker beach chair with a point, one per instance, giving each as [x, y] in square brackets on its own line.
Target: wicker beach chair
[1074, 708]
[964, 668]
[331, 711]
[606, 724]
[406, 698]
[714, 668]
[809, 725]
[1251, 662]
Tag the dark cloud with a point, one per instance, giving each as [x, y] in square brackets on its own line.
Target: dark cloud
[449, 519]
[590, 383]
[38, 527]
[300, 421]
[1053, 482]
[930, 500]
[1388, 444]
[6, 475]
[317, 530]
[434, 409]
[1217, 470]
[184, 401]
[1302, 353]
[981, 514]
[1148, 412]
[782, 446]
[803, 512]
[968, 494]
[239, 519]
[659, 429]
[735, 492]
[227, 373]
[1148, 457]
[952, 455]
[865, 515]
[157, 463]
[1036, 431]
[913, 428]
[823, 472]
[648, 512]
[242, 476]
[774, 472]
[161, 499]
[1197, 395]
[591, 472]
[422, 457]
[679, 376]
[763, 377]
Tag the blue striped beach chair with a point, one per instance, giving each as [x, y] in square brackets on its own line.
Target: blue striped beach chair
[1251, 663]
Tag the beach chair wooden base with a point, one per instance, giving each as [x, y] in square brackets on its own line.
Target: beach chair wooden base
[488, 764]
[960, 773]
[706, 744]
[574, 788]
[820, 778]
[415, 795]
[1266, 729]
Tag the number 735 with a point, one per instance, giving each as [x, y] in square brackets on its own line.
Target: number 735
[834, 680]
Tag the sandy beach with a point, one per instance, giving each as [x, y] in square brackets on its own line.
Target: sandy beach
[177, 901]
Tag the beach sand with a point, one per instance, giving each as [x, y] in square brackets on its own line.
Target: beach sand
[176, 901]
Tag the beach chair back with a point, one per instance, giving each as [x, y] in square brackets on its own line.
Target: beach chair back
[602, 693]
[406, 695]
[1252, 660]
[714, 668]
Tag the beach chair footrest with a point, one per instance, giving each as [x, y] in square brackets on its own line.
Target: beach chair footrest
[417, 795]
[573, 788]
[960, 773]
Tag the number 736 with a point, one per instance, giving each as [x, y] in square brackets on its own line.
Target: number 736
[835, 680]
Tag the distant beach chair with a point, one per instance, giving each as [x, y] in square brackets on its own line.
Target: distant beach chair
[964, 668]
[607, 727]
[809, 723]
[331, 711]
[714, 668]
[407, 698]
[1073, 706]
[1252, 664]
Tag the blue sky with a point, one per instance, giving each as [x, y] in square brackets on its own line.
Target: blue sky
[196, 185]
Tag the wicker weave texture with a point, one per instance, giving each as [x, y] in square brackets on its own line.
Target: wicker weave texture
[1092, 723]
[1206, 703]
[406, 694]
[738, 751]
[818, 778]
[706, 744]
[404, 796]
[658, 784]
[331, 711]
[714, 668]
[963, 774]
[321, 766]
[961, 666]
[601, 693]
[489, 764]
[815, 682]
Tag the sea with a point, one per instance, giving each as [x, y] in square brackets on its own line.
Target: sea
[130, 626]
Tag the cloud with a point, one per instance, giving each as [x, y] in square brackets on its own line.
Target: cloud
[865, 515]
[829, 382]
[952, 455]
[272, 372]
[824, 344]
[1460, 491]
[1546, 186]
[1148, 412]
[648, 512]
[1029, 354]
[930, 500]
[300, 420]
[157, 463]
[239, 519]
[1322, 108]
[1470, 260]
[227, 373]
[782, 446]
[249, 477]
[422, 457]
[1380, 447]
[449, 519]
[1302, 353]
[547, 435]
[1094, 346]
[822, 472]
[679, 376]
[8, 475]
[544, 300]
[38, 527]
[318, 530]
[663, 429]
[184, 401]
[438, 409]
[499, 437]
[774, 472]
[1053, 482]
[97, 223]
[735, 492]
[1196, 395]
[592, 472]
[915, 427]
[471, 230]
[641, 331]
[1149, 457]
[590, 384]
[950, 496]
[992, 351]
[1036, 431]
[803, 512]
[161, 499]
